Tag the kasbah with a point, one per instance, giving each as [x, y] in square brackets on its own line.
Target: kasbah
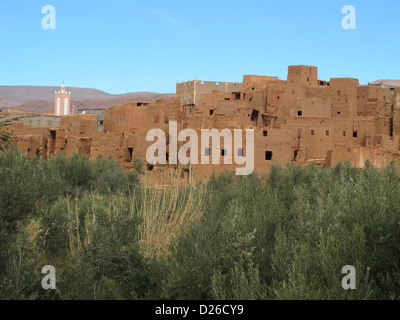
[302, 120]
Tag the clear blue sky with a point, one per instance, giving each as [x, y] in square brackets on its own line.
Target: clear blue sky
[126, 45]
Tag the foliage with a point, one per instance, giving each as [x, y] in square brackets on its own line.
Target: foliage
[4, 136]
[284, 235]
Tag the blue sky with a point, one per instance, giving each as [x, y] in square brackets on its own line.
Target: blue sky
[127, 46]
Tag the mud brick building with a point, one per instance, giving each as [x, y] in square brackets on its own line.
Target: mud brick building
[300, 120]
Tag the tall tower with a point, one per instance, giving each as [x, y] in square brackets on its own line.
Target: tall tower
[62, 103]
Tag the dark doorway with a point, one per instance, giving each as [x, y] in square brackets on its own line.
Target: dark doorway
[130, 154]
[254, 116]
[52, 146]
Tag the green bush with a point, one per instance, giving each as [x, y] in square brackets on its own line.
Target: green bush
[283, 235]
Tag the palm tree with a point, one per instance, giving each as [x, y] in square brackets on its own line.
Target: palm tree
[4, 136]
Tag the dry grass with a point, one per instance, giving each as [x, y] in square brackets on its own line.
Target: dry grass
[168, 210]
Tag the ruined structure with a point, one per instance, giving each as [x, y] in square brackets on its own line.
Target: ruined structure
[98, 112]
[190, 92]
[301, 120]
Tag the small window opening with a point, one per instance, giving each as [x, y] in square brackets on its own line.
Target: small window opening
[254, 115]
[268, 155]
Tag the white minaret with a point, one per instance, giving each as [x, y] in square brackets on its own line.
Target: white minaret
[62, 106]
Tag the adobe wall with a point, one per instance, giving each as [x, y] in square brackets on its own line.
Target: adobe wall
[254, 82]
[190, 92]
[125, 118]
[40, 120]
[300, 120]
[303, 74]
[79, 123]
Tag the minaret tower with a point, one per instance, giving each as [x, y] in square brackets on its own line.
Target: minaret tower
[63, 102]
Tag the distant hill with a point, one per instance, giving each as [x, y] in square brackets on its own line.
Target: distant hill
[25, 94]
[388, 82]
[37, 106]
[41, 99]
[107, 103]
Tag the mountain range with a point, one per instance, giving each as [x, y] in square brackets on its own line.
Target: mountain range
[41, 98]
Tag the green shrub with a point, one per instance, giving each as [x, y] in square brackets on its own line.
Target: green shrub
[283, 235]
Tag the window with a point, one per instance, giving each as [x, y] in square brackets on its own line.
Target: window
[312, 132]
[211, 112]
[254, 115]
[101, 122]
[167, 156]
[265, 133]
[344, 133]
[355, 134]
[156, 119]
[339, 93]
[240, 152]
[300, 113]
[338, 112]
[268, 155]
[223, 152]
[327, 132]
[207, 152]
[166, 119]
